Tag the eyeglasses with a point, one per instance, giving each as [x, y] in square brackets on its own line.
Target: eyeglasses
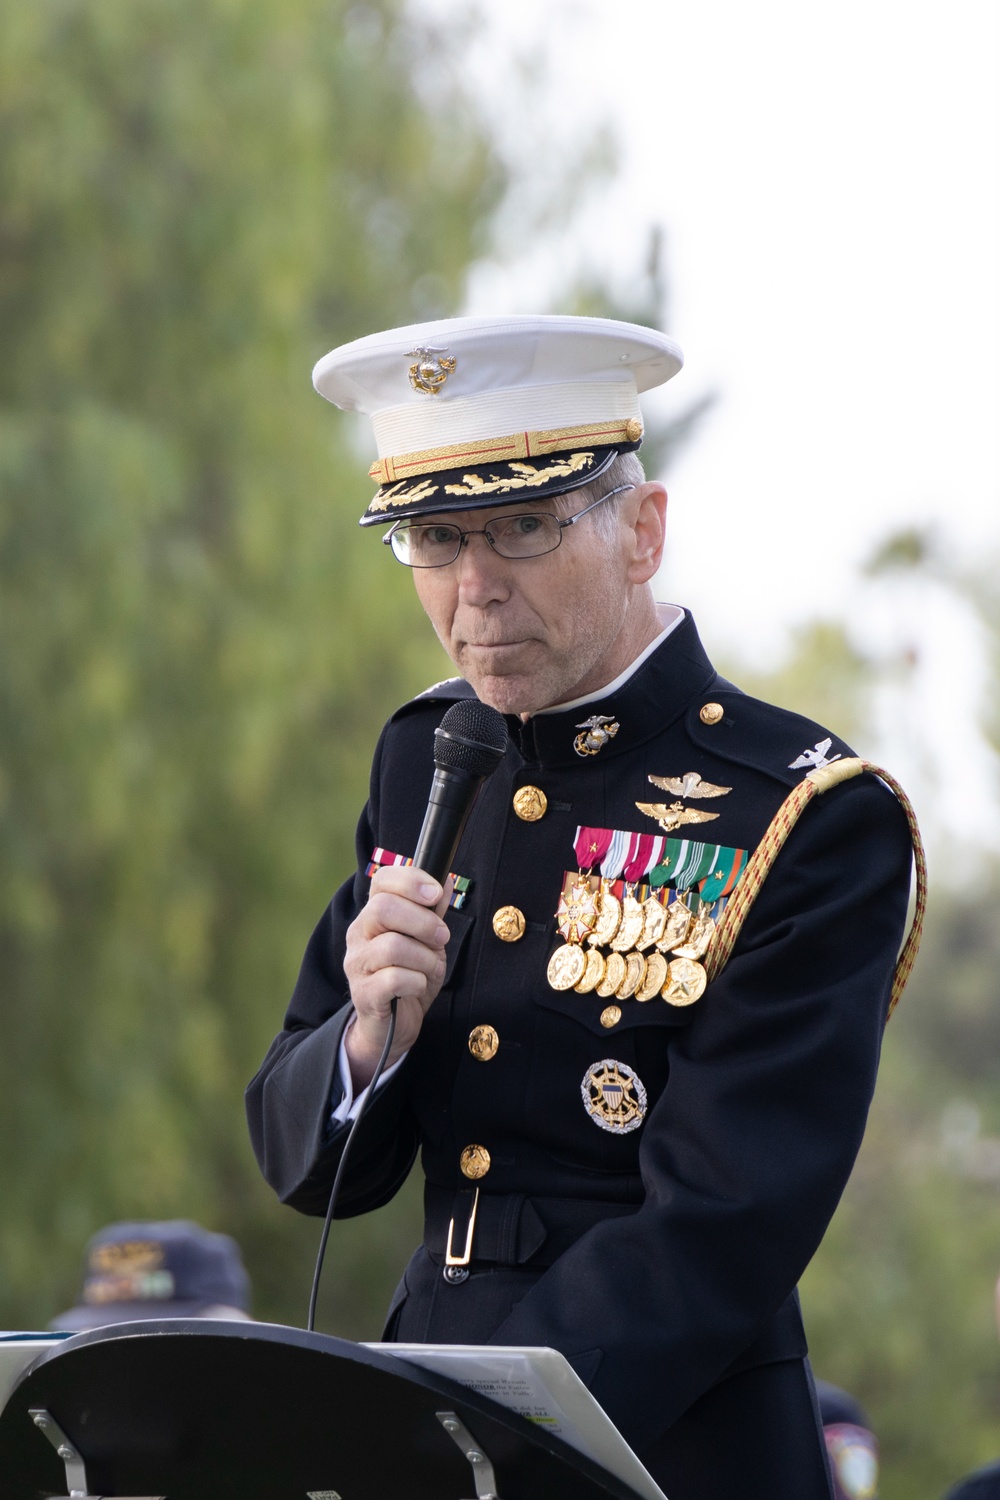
[439, 543]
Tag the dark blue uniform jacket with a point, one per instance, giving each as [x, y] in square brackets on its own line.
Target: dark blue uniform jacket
[660, 1259]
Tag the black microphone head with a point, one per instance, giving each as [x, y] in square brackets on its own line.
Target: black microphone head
[471, 737]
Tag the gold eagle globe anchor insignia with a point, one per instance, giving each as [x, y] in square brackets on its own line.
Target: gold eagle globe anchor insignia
[428, 374]
[598, 730]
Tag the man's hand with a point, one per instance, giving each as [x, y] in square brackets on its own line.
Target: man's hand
[395, 946]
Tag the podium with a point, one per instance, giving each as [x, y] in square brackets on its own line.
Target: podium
[195, 1410]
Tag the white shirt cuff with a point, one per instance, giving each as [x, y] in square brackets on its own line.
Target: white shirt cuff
[348, 1107]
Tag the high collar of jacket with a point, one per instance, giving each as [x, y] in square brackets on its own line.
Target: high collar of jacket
[654, 696]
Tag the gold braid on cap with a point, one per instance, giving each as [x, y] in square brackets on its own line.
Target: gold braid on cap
[812, 785]
[498, 450]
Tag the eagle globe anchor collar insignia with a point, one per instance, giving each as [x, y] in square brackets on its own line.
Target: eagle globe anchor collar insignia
[598, 730]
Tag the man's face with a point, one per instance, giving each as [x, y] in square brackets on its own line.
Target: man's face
[534, 631]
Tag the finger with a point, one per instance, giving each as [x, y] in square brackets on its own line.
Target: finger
[391, 913]
[393, 950]
[449, 888]
[404, 880]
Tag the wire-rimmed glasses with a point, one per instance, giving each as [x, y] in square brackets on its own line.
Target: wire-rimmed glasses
[435, 544]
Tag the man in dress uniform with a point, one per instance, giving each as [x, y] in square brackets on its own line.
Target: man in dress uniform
[622, 1162]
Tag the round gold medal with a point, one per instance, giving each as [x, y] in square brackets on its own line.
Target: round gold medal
[593, 973]
[654, 921]
[566, 966]
[635, 973]
[678, 922]
[653, 979]
[609, 914]
[686, 981]
[614, 973]
[630, 927]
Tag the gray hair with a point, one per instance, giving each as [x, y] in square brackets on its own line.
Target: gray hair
[626, 469]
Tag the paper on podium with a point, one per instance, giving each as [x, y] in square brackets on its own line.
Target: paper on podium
[541, 1385]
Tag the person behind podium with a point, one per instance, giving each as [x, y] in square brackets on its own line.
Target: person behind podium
[620, 1163]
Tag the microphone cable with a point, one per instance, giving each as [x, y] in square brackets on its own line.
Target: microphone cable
[334, 1191]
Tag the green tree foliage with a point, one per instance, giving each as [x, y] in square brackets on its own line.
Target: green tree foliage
[197, 647]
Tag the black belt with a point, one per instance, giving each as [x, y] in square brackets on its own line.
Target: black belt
[511, 1229]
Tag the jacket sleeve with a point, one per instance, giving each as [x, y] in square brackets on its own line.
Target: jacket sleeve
[747, 1150]
[290, 1101]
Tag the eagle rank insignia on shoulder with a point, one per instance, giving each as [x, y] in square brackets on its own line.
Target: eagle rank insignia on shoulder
[614, 1096]
[816, 758]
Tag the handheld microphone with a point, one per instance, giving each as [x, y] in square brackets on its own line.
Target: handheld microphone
[468, 746]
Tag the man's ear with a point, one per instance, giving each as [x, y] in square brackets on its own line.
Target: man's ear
[648, 507]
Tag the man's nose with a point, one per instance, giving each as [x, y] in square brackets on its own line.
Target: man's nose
[483, 576]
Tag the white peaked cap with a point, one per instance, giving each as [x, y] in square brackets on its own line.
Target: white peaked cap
[485, 411]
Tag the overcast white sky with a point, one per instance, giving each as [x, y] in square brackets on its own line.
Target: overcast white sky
[827, 178]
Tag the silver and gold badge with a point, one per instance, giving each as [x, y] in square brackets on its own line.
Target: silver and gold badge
[614, 1096]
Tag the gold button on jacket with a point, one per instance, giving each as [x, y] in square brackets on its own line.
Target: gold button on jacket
[530, 803]
[483, 1043]
[475, 1162]
[508, 924]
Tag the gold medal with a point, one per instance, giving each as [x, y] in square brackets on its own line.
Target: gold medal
[593, 973]
[609, 914]
[698, 937]
[654, 977]
[577, 912]
[614, 973]
[678, 922]
[630, 928]
[635, 973]
[566, 966]
[686, 981]
[654, 923]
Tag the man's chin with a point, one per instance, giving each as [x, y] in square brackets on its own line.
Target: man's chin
[509, 693]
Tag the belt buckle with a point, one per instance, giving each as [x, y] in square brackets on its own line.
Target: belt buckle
[450, 1258]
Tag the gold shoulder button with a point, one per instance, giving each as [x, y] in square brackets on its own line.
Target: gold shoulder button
[711, 713]
[475, 1162]
[508, 924]
[483, 1043]
[611, 1015]
[530, 803]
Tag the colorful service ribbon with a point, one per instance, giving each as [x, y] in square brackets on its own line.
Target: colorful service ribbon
[381, 857]
[682, 863]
